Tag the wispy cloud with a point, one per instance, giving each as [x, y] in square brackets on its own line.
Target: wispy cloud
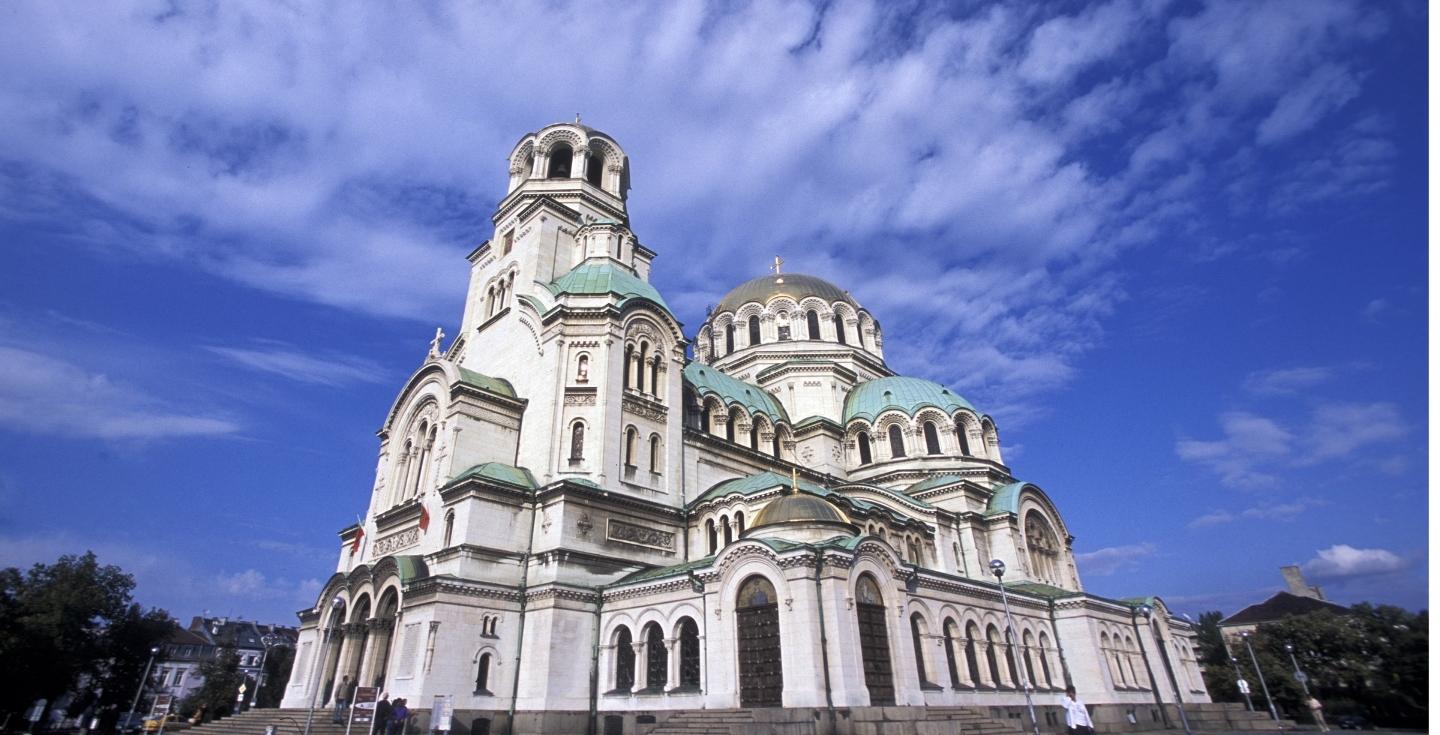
[305, 367]
[40, 394]
[1284, 381]
[1254, 448]
[1269, 511]
[261, 144]
[1112, 559]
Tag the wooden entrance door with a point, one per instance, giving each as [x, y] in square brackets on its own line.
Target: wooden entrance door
[874, 642]
[757, 632]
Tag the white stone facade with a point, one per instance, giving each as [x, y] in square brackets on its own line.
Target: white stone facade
[562, 479]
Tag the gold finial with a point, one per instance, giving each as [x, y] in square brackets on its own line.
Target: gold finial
[794, 480]
[775, 268]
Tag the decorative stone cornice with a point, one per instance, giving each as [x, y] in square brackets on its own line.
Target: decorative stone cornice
[397, 516]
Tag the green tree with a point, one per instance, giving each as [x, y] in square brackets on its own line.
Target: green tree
[69, 623]
[223, 678]
[277, 675]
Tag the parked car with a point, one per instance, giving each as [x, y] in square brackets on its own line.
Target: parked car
[1353, 722]
[154, 725]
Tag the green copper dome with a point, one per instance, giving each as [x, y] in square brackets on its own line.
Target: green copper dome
[874, 397]
[795, 285]
[598, 276]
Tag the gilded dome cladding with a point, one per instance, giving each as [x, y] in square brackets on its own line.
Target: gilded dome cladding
[795, 285]
[798, 507]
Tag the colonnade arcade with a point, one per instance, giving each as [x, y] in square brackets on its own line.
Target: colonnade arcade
[356, 635]
[887, 639]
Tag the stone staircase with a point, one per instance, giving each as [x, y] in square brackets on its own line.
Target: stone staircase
[1232, 716]
[973, 721]
[286, 722]
[707, 722]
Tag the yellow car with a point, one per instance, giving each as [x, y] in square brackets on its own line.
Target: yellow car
[154, 725]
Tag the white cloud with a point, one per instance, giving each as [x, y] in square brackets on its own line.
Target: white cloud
[352, 161]
[318, 369]
[1375, 308]
[1112, 559]
[1339, 429]
[1250, 441]
[1342, 561]
[1287, 380]
[40, 394]
[1301, 108]
[1266, 511]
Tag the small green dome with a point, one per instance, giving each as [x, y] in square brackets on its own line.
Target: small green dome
[874, 397]
[795, 285]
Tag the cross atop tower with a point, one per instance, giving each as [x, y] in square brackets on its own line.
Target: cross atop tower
[775, 266]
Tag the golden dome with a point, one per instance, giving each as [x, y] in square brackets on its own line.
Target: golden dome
[799, 508]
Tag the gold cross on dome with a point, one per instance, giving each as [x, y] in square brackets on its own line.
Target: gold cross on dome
[775, 266]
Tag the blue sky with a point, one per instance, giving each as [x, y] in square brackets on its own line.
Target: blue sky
[1177, 249]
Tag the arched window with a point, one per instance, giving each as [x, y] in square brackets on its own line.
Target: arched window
[655, 376]
[961, 434]
[711, 338]
[482, 675]
[449, 529]
[655, 659]
[624, 661]
[689, 653]
[1027, 646]
[594, 168]
[754, 330]
[754, 436]
[972, 660]
[949, 629]
[729, 338]
[725, 530]
[710, 534]
[897, 442]
[863, 440]
[1045, 660]
[917, 640]
[812, 324]
[655, 453]
[1043, 546]
[577, 442]
[932, 439]
[740, 523]
[631, 435]
[489, 302]
[582, 369]
[840, 328]
[775, 445]
[561, 158]
[640, 367]
[991, 656]
[730, 428]
[629, 356]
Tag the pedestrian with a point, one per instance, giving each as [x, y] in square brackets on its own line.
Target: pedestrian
[1077, 718]
[343, 694]
[1317, 711]
[382, 714]
[399, 713]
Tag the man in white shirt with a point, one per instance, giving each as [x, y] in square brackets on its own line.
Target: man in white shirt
[1077, 718]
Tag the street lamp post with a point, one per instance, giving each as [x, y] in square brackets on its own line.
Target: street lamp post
[1245, 690]
[335, 604]
[269, 640]
[997, 568]
[1304, 681]
[154, 651]
[1260, 675]
[1169, 670]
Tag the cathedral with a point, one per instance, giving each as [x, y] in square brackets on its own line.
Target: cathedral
[587, 519]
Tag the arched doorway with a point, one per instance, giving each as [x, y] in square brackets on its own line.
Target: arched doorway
[757, 633]
[874, 641]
